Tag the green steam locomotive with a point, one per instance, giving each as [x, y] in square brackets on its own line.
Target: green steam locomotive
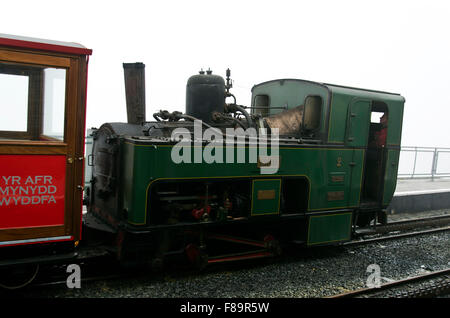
[305, 162]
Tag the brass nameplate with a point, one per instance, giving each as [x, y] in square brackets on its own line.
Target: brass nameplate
[335, 195]
[266, 194]
[337, 178]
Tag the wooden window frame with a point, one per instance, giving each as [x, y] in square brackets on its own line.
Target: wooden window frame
[34, 107]
[72, 146]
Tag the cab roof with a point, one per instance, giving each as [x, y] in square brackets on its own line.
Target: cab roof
[346, 90]
[43, 44]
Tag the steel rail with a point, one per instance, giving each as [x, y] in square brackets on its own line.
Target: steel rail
[369, 290]
[396, 236]
[405, 225]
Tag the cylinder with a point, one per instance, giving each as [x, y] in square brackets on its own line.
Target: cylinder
[205, 94]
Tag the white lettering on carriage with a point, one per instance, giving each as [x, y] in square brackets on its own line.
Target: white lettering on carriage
[35, 190]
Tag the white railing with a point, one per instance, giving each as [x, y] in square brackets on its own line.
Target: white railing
[424, 162]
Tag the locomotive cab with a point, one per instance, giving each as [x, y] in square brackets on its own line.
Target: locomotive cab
[347, 123]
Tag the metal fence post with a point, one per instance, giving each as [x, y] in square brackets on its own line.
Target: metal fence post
[415, 158]
[433, 167]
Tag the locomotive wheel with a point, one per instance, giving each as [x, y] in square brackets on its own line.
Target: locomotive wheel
[197, 256]
[18, 276]
[272, 245]
[157, 264]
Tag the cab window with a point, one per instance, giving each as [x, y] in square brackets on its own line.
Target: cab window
[261, 104]
[312, 115]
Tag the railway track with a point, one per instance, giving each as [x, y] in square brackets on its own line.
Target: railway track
[432, 289]
[400, 229]
[101, 260]
[440, 220]
[361, 240]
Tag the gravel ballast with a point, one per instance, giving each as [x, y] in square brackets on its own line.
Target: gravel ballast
[301, 273]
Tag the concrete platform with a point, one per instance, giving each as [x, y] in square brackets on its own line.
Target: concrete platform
[417, 195]
[417, 186]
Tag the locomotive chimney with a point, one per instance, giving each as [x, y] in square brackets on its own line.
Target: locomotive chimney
[135, 92]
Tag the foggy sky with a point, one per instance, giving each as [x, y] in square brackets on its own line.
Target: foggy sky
[394, 46]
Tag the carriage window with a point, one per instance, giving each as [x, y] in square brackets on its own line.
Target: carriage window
[13, 102]
[54, 101]
[32, 102]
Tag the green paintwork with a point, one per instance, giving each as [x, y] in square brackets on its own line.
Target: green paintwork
[343, 97]
[358, 117]
[331, 228]
[333, 168]
[390, 177]
[336, 101]
[291, 93]
[347, 113]
[146, 163]
[338, 118]
[266, 206]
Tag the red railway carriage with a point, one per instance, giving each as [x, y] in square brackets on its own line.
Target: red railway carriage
[42, 124]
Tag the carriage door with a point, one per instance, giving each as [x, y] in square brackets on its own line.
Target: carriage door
[41, 158]
[357, 131]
